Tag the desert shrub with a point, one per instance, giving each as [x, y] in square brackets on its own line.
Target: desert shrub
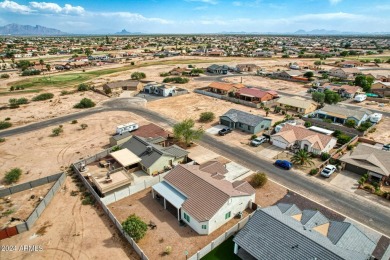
[253, 137]
[372, 130]
[206, 117]
[88, 199]
[4, 76]
[31, 72]
[135, 227]
[307, 124]
[74, 122]
[66, 92]
[85, 103]
[43, 96]
[2, 140]
[5, 124]
[83, 87]
[178, 80]
[167, 250]
[12, 176]
[57, 131]
[313, 171]
[325, 156]
[259, 180]
[108, 91]
[83, 126]
[14, 103]
[138, 75]
[164, 74]
[7, 119]
[132, 63]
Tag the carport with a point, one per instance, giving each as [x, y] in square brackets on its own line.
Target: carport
[126, 158]
[171, 197]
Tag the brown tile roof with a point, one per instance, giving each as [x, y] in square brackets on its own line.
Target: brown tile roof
[213, 167]
[254, 92]
[368, 157]
[151, 130]
[293, 133]
[225, 86]
[205, 194]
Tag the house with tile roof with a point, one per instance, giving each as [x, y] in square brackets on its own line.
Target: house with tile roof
[218, 69]
[344, 73]
[297, 136]
[120, 86]
[381, 88]
[346, 91]
[284, 231]
[254, 95]
[201, 197]
[297, 104]
[244, 121]
[367, 159]
[340, 114]
[223, 88]
[155, 158]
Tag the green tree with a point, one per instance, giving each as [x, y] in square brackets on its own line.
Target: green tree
[364, 82]
[331, 97]
[85, 103]
[88, 52]
[302, 157]
[135, 227]
[206, 117]
[12, 176]
[308, 74]
[259, 180]
[24, 64]
[266, 109]
[138, 75]
[318, 97]
[184, 131]
[350, 123]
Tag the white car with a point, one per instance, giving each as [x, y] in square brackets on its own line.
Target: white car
[328, 170]
[258, 141]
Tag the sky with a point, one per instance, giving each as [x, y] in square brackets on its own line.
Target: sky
[199, 16]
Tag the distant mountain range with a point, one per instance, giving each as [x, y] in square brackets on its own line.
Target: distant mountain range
[124, 32]
[17, 29]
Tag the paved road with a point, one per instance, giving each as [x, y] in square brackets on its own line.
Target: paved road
[369, 213]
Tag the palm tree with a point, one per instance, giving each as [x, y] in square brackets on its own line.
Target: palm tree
[266, 109]
[302, 157]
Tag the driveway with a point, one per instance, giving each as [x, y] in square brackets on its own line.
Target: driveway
[268, 151]
[149, 97]
[215, 129]
[346, 180]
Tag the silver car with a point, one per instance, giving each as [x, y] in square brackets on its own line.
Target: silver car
[328, 170]
[258, 141]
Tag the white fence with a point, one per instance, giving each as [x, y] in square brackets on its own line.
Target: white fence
[219, 240]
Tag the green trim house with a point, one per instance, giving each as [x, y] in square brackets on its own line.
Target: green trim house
[243, 121]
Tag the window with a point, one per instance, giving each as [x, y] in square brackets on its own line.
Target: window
[227, 215]
[204, 227]
[186, 217]
[249, 127]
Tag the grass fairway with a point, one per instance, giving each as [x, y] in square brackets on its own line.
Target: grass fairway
[68, 80]
[222, 252]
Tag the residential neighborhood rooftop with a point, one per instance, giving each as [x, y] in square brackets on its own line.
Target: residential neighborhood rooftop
[244, 117]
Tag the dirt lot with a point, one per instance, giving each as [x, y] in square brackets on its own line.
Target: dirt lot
[51, 154]
[21, 204]
[269, 194]
[382, 133]
[69, 230]
[168, 231]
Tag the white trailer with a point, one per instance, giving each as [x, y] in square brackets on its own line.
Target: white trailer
[360, 98]
[376, 117]
[120, 129]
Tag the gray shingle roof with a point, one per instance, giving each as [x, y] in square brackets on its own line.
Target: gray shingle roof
[341, 110]
[289, 209]
[243, 117]
[313, 218]
[270, 234]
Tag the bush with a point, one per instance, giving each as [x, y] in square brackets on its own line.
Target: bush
[2, 140]
[350, 123]
[108, 91]
[364, 126]
[307, 124]
[66, 92]
[132, 63]
[327, 120]
[83, 126]
[7, 119]
[253, 137]
[343, 138]
[138, 75]
[74, 122]
[135, 227]
[325, 156]
[350, 147]
[43, 96]
[206, 117]
[85, 103]
[4, 76]
[313, 171]
[12, 176]
[31, 72]
[5, 124]
[57, 131]
[178, 80]
[83, 87]
[168, 250]
[14, 103]
[259, 180]
[164, 74]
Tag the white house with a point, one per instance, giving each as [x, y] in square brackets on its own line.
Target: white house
[160, 89]
[201, 197]
[303, 138]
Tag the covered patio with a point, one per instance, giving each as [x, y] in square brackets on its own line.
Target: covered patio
[171, 198]
[128, 160]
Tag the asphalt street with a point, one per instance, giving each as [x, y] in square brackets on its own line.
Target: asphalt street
[361, 209]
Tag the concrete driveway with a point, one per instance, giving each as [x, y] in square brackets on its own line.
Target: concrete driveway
[215, 129]
[346, 180]
[269, 151]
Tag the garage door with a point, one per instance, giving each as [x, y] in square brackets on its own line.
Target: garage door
[355, 169]
[279, 143]
[224, 122]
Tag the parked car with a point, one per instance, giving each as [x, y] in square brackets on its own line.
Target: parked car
[284, 164]
[225, 131]
[328, 170]
[258, 141]
[386, 147]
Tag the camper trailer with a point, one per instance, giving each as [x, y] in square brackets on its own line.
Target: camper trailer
[360, 98]
[376, 117]
[120, 129]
